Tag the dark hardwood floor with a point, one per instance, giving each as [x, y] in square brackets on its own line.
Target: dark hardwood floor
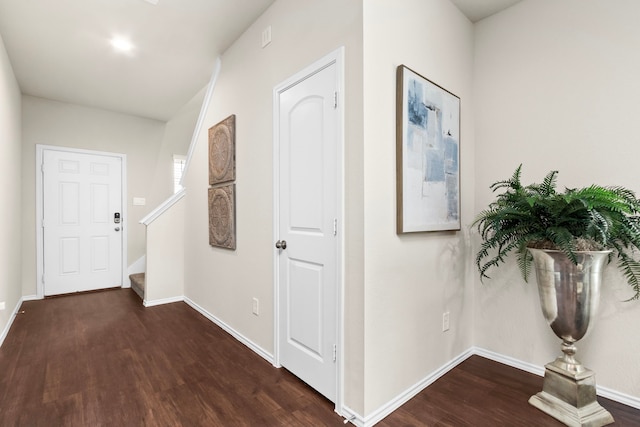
[481, 392]
[102, 359]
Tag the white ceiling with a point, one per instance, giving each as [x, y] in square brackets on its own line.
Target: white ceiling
[476, 10]
[60, 49]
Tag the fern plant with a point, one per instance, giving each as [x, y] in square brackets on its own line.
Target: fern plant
[579, 219]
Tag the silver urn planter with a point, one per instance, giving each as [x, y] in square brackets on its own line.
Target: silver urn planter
[569, 297]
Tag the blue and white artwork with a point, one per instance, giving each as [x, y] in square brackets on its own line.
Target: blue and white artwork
[430, 150]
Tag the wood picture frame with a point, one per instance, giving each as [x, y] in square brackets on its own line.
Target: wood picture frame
[427, 155]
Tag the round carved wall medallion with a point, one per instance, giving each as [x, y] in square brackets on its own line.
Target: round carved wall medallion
[221, 148]
[221, 217]
[221, 151]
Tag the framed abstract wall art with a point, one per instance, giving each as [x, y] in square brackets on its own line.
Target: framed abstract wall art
[427, 155]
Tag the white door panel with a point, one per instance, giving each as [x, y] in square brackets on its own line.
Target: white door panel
[82, 244]
[307, 210]
[305, 307]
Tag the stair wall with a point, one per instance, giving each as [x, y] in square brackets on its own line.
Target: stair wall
[164, 281]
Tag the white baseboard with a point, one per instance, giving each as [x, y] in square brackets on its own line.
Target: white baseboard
[30, 298]
[162, 301]
[509, 361]
[5, 331]
[412, 391]
[616, 396]
[351, 416]
[237, 335]
[395, 403]
[605, 392]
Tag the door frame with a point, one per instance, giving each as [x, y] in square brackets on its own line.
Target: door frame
[40, 149]
[336, 57]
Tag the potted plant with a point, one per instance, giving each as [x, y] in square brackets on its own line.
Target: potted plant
[568, 236]
[593, 218]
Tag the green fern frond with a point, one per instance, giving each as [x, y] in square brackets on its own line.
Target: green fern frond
[548, 186]
[525, 262]
[607, 217]
[631, 270]
[513, 182]
[598, 227]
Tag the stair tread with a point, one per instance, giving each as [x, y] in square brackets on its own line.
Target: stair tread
[138, 279]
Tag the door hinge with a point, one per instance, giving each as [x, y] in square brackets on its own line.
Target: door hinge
[335, 352]
[335, 99]
[335, 226]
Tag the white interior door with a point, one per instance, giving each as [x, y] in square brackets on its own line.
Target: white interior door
[82, 234]
[307, 223]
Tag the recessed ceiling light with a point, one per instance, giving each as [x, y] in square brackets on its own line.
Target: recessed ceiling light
[121, 45]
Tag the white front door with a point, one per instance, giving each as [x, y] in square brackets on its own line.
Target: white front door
[82, 221]
[307, 213]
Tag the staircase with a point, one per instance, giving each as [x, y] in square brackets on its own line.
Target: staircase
[163, 281]
[137, 283]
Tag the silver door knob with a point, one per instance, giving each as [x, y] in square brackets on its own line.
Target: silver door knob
[281, 244]
[117, 228]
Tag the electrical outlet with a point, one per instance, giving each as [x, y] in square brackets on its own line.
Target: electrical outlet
[256, 306]
[445, 321]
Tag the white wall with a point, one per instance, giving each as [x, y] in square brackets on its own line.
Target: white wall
[557, 88]
[164, 279]
[61, 124]
[10, 166]
[224, 282]
[177, 137]
[411, 279]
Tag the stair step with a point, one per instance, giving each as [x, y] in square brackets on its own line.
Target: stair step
[138, 283]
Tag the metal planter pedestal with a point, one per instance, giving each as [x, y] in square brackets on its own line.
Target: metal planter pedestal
[569, 297]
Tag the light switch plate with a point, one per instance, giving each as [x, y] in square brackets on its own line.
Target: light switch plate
[266, 36]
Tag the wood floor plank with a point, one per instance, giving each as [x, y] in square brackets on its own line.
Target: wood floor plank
[102, 359]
